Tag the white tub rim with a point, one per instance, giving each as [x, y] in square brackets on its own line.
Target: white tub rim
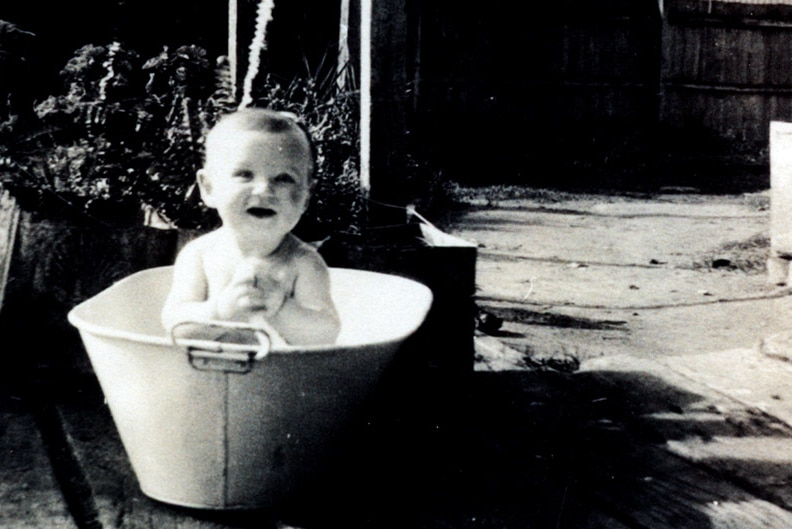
[84, 325]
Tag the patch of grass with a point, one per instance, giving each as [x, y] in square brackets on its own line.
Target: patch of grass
[748, 256]
[758, 201]
[491, 195]
[496, 193]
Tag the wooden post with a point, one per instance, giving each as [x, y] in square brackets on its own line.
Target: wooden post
[384, 87]
[365, 95]
[780, 202]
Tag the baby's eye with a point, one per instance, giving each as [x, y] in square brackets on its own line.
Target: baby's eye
[284, 178]
[243, 174]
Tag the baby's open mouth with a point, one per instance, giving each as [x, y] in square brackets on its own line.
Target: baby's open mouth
[261, 213]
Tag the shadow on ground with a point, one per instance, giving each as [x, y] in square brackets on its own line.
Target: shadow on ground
[533, 449]
[515, 449]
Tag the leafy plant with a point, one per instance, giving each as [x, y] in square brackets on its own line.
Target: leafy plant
[14, 75]
[330, 115]
[126, 136]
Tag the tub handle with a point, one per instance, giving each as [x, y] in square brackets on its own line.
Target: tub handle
[212, 355]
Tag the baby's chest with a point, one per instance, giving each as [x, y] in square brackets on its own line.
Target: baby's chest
[270, 274]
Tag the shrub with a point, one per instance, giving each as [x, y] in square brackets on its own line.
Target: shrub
[331, 116]
[126, 137]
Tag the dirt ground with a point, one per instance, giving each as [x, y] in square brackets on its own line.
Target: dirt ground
[592, 275]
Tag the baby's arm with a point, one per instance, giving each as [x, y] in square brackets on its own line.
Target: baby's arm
[187, 300]
[309, 316]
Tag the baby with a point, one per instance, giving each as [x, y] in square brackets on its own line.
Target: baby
[258, 175]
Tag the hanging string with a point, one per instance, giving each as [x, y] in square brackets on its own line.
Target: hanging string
[257, 45]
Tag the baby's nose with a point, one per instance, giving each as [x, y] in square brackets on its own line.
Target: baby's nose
[261, 187]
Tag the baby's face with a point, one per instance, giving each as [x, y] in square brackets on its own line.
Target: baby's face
[259, 182]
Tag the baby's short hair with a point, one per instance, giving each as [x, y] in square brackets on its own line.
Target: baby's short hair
[263, 120]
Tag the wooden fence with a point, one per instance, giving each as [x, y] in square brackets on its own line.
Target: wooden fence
[594, 93]
[608, 92]
[725, 75]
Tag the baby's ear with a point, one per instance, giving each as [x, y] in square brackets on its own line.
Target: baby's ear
[309, 194]
[205, 186]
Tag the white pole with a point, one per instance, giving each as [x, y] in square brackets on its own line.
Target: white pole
[365, 95]
[780, 202]
[342, 64]
[232, 43]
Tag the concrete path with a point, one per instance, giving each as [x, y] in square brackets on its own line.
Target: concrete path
[675, 280]
[655, 289]
[649, 277]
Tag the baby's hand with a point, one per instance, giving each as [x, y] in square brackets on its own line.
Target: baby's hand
[250, 291]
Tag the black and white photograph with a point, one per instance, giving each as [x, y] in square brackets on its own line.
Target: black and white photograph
[396, 264]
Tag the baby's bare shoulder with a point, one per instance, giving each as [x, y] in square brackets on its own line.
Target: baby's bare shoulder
[306, 256]
[202, 243]
[305, 249]
[198, 250]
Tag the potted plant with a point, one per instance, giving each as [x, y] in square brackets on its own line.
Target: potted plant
[123, 138]
[117, 149]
